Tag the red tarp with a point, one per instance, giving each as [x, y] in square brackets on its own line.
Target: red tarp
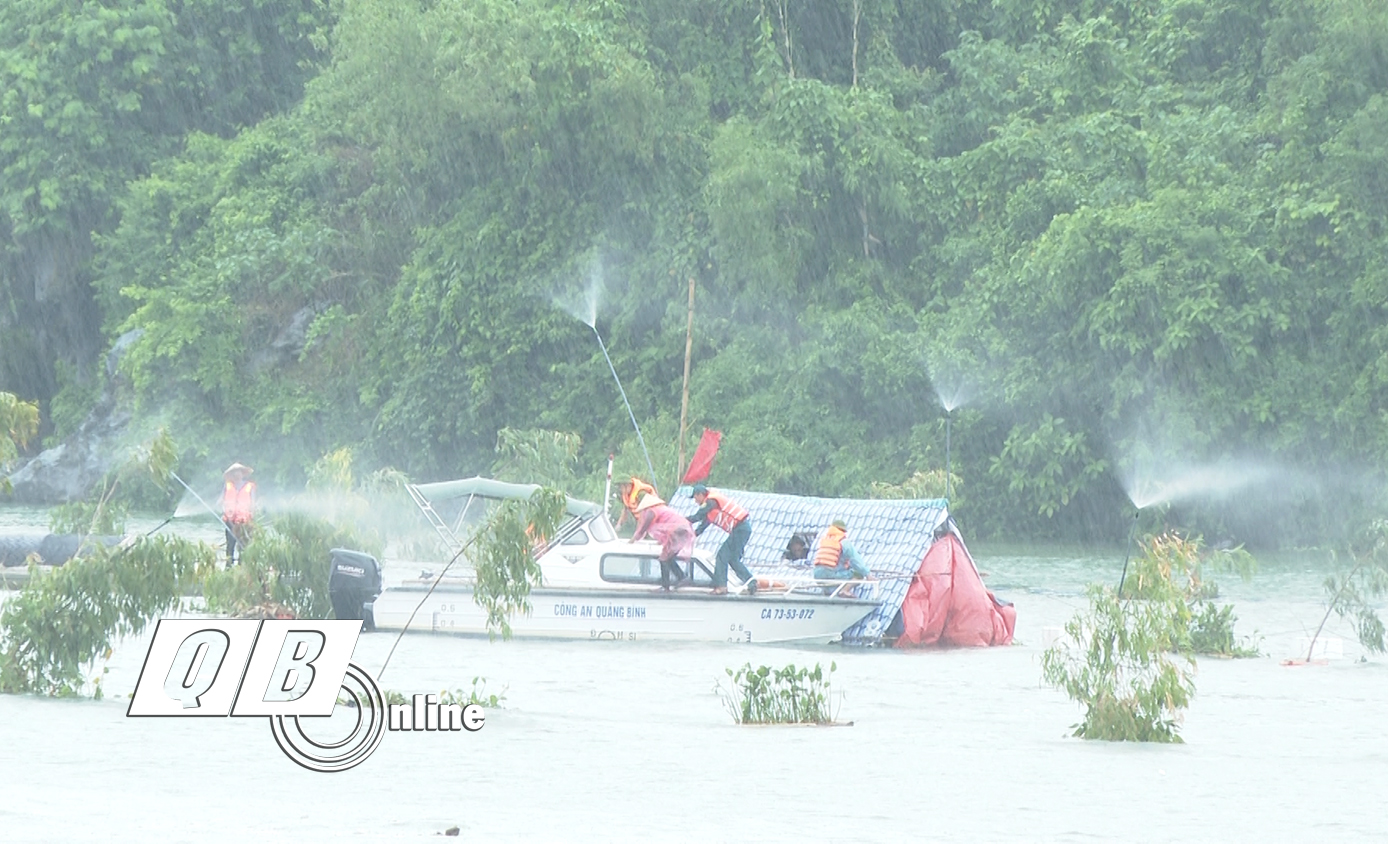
[703, 456]
[947, 604]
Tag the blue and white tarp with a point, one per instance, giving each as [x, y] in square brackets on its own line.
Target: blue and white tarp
[892, 536]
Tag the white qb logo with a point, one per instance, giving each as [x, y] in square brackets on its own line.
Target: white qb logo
[279, 669]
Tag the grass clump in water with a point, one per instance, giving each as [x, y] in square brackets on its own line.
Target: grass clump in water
[791, 695]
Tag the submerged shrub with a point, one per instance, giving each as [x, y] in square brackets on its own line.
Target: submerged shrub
[1173, 570]
[1118, 663]
[791, 695]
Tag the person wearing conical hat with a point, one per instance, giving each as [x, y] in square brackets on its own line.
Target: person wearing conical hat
[632, 492]
[238, 508]
[661, 522]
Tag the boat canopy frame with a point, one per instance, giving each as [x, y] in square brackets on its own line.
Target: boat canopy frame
[424, 496]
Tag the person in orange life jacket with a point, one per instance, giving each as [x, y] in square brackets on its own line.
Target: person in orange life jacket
[238, 508]
[632, 493]
[836, 558]
[654, 518]
[718, 509]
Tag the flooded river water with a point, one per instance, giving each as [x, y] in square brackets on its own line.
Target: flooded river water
[620, 741]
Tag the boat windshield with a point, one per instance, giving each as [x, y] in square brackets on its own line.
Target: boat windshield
[643, 568]
[601, 529]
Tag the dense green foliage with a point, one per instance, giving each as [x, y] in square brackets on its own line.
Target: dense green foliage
[91, 94]
[1128, 232]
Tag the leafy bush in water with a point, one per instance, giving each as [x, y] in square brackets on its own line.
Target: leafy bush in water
[63, 619]
[1117, 661]
[285, 564]
[789, 695]
[1172, 570]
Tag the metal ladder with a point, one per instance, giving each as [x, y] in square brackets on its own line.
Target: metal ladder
[450, 539]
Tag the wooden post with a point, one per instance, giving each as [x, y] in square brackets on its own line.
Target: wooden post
[684, 401]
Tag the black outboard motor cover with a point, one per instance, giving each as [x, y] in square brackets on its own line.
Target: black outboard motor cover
[354, 580]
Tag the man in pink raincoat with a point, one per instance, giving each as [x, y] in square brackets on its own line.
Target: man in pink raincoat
[659, 521]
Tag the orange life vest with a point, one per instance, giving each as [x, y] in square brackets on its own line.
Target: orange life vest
[726, 513]
[830, 547]
[238, 505]
[632, 496]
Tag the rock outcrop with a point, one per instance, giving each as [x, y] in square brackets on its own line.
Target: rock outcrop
[68, 470]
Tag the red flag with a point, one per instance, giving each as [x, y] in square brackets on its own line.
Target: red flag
[703, 457]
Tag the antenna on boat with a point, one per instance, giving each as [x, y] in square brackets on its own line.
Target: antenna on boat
[639, 438]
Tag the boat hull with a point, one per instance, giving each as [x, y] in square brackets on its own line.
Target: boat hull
[629, 615]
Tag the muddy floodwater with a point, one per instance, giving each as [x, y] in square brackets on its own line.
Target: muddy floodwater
[621, 741]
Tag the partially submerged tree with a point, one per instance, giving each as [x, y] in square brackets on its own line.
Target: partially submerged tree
[1127, 658]
[1175, 570]
[66, 618]
[1350, 594]
[1118, 663]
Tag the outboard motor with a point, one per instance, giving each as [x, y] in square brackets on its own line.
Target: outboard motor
[354, 582]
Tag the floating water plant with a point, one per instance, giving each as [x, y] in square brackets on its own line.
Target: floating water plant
[476, 695]
[791, 695]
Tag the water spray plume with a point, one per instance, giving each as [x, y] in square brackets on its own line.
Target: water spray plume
[1184, 483]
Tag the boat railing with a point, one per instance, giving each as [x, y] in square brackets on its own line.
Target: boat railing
[860, 589]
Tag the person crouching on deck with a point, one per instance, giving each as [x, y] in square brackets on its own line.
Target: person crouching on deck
[718, 509]
[836, 558]
[656, 519]
[238, 508]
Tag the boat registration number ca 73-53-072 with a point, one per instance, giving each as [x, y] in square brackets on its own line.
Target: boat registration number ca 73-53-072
[783, 614]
